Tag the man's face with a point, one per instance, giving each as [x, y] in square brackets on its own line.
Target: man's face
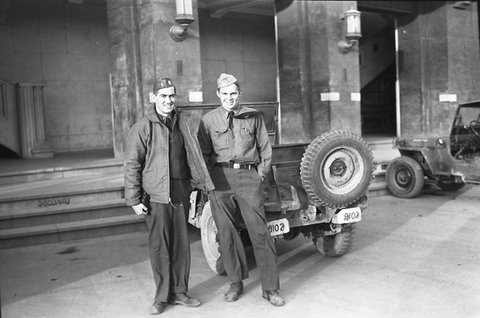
[229, 96]
[165, 101]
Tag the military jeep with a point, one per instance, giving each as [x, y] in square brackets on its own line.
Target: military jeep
[317, 189]
[448, 161]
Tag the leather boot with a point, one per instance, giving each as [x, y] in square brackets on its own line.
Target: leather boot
[183, 299]
[274, 297]
[158, 308]
[234, 292]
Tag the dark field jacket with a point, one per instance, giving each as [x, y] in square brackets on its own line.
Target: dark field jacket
[146, 166]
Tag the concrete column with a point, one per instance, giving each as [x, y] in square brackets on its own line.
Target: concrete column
[127, 100]
[316, 79]
[32, 122]
[438, 59]
[161, 56]
[143, 51]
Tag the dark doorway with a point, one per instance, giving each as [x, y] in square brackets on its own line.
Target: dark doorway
[378, 75]
[378, 105]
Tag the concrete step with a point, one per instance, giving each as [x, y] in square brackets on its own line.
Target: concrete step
[63, 209]
[44, 195]
[15, 218]
[69, 231]
[378, 187]
[66, 198]
[81, 169]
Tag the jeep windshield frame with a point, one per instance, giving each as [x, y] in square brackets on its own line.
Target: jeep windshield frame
[465, 132]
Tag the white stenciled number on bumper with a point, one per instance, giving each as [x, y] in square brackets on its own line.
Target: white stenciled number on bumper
[351, 216]
[278, 227]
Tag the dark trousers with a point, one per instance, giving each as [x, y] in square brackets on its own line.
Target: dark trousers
[241, 191]
[169, 249]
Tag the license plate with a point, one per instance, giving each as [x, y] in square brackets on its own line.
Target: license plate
[278, 227]
[350, 215]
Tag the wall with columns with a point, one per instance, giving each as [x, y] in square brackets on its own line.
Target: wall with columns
[71, 48]
[316, 80]
[438, 66]
[65, 48]
[143, 51]
[243, 45]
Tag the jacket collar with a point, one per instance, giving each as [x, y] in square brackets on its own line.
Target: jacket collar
[239, 112]
[152, 115]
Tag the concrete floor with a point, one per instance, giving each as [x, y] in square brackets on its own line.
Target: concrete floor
[412, 258]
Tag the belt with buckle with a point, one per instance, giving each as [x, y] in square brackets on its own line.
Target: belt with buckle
[235, 165]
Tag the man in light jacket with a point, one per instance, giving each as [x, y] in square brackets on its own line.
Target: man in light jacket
[163, 162]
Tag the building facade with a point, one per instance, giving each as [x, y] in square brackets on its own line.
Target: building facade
[75, 74]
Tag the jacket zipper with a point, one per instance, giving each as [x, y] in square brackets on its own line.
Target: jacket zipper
[168, 164]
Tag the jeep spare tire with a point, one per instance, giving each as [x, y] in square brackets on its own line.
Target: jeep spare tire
[337, 169]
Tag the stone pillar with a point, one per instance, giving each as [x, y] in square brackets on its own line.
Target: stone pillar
[161, 56]
[316, 79]
[143, 51]
[32, 122]
[126, 88]
[438, 63]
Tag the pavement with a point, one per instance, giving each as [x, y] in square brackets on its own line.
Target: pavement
[412, 258]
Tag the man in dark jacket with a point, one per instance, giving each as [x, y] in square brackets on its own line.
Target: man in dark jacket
[162, 162]
[237, 150]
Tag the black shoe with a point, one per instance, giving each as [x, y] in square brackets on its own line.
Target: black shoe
[274, 297]
[234, 292]
[183, 299]
[158, 308]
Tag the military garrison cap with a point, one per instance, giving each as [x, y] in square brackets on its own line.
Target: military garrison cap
[225, 79]
[162, 83]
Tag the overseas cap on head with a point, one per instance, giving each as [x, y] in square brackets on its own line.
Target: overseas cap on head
[226, 79]
[162, 83]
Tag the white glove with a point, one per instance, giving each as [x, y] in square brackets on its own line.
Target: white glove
[140, 209]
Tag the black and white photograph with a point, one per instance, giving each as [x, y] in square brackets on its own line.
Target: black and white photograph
[239, 158]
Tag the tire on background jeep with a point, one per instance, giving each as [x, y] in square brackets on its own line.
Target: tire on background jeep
[404, 177]
[337, 169]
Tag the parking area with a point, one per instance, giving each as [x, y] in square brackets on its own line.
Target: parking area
[412, 258]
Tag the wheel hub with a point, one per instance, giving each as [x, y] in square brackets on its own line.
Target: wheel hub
[403, 177]
[338, 168]
[342, 170]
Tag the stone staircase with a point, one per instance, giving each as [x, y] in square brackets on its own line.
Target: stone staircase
[54, 204]
[63, 205]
